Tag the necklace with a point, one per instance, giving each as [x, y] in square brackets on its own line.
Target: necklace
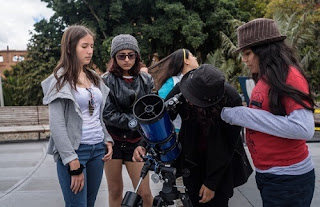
[91, 102]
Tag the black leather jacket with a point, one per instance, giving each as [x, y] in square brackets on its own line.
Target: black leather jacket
[118, 109]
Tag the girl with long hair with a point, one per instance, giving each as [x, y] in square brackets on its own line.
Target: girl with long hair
[78, 140]
[279, 119]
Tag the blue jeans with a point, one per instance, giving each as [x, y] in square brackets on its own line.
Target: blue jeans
[91, 157]
[286, 190]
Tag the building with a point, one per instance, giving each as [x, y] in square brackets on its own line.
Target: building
[10, 57]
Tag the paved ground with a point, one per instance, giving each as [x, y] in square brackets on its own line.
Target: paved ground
[28, 178]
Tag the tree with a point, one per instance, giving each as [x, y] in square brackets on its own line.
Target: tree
[160, 26]
[22, 85]
[300, 20]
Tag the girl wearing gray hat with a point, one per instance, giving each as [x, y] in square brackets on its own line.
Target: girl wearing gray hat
[279, 118]
[127, 84]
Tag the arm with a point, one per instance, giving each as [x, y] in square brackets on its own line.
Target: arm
[59, 131]
[62, 142]
[166, 88]
[113, 117]
[299, 124]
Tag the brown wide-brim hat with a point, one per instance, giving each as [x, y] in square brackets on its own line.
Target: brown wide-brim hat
[203, 86]
[258, 32]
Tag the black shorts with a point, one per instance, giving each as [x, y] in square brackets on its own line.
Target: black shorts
[123, 150]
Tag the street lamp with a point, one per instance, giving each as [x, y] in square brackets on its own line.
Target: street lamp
[1, 93]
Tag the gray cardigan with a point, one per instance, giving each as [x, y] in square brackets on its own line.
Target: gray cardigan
[65, 119]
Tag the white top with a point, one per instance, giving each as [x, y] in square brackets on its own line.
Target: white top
[91, 126]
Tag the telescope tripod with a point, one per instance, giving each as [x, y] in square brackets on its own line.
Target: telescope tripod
[169, 191]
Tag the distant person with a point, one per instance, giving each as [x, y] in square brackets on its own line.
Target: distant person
[169, 71]
[279, 119]
[79, 140]
[127, 84]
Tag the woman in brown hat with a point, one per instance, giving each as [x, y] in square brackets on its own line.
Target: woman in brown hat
[279, 119]
[212, 150]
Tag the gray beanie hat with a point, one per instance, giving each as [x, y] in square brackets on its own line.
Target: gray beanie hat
[122, 42]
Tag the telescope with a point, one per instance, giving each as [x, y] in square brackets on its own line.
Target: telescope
[163, 148]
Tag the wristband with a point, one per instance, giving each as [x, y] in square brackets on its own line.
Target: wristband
[76, 172]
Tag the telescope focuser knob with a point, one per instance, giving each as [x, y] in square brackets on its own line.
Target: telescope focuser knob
[133, 124]
[155, 178]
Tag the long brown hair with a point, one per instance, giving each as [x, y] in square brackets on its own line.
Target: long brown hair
[69, 60]
[169, 66]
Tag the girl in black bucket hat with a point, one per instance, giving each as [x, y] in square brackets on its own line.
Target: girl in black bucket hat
[279, 119]
[212, 150]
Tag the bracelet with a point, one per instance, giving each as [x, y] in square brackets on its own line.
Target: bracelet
[77, 171]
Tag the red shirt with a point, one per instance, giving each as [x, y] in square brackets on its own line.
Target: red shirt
[267, 150]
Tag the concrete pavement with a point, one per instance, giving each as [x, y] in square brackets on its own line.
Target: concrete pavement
[28, 178]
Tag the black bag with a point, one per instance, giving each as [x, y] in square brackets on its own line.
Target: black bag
[241, 165]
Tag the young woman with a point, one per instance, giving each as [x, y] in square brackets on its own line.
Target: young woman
[212, 150]
[279, 119]
[169, 71]
[76, 96]
[127, 84]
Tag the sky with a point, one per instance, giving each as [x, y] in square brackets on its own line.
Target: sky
[17, 18]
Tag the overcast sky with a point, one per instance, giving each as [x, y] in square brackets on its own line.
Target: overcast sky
[17, 18]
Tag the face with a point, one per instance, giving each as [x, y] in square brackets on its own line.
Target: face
[251, 60]
[126, 60]
[193, 63]
[84, 50]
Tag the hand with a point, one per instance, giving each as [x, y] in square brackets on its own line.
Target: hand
[138, 153]
[108, 156]
[144, 69]
[77, 181]
[206, 194]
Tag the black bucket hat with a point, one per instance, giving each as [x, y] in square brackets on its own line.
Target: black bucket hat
[203, 86]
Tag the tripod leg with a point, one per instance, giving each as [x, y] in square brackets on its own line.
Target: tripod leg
[185, 200]
[157, 201]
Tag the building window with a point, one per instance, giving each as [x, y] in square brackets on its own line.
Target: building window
[1, 59]
[17, 58]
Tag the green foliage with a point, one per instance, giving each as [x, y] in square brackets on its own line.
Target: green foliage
[22, 84]
[299, 20]
[253, 8]
[160, 26]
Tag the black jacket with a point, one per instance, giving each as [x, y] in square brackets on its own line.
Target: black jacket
[223, 163]
[118, 109]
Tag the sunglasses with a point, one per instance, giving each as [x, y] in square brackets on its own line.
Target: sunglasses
[131, 56]
[91, 102]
